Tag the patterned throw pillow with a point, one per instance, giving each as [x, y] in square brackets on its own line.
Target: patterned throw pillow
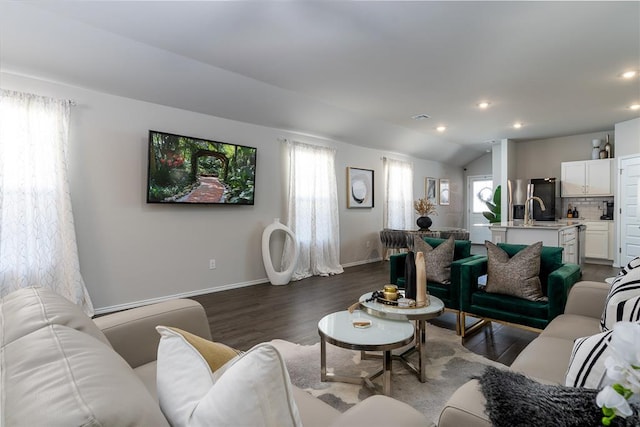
[586, 366]
[437, 260]
[619, 305]
[517, 276]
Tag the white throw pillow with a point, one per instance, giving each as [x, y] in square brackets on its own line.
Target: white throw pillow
[586, 367]
[254, 388]
[625, 287]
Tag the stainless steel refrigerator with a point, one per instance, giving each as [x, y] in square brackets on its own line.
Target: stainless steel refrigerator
[545, 189]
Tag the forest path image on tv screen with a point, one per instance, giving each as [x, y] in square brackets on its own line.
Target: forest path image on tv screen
[190, 170]
[210, 190]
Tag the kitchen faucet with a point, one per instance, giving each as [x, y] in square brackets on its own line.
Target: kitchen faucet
[527, 213]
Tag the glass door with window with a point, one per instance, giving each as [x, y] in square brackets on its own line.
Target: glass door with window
[479, 191]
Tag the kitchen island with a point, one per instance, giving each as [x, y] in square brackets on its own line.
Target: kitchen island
[565, 234]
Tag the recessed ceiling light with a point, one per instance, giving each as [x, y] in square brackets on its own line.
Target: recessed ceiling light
[441, 128]
[484, 105]
[421, 117]
[517, 125]
[634, 107]
[629, 74]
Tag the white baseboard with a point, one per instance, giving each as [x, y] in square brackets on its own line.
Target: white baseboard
[120, 307]
[366, 261]
[599, 261]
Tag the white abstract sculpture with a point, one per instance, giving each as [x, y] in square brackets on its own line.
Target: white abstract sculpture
[278, 277]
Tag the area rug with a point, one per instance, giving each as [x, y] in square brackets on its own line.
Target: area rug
[449, 365]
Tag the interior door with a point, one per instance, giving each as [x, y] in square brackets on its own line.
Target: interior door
[629, 212]
[479, 190]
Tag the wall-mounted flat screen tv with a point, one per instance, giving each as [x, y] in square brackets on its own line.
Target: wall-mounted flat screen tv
[184, 169]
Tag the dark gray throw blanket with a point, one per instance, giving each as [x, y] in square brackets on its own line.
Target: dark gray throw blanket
[514, 400]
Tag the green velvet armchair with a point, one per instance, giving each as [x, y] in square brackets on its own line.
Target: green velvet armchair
[556, 279]
[448, 293]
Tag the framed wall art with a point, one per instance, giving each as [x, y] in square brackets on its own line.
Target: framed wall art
[444, 191]
[359, 188]
[431, 190]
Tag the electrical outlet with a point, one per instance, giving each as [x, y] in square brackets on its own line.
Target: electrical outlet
[212, 264]
[368, 243]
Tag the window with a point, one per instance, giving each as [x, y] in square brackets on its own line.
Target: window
[482, 191]
[313, 210]
[37, 242]
[398, 194]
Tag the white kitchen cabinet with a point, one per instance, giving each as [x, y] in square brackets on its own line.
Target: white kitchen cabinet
[572, 179]
[568, 239]
[597, 240]
[586, 178]
[612, 250]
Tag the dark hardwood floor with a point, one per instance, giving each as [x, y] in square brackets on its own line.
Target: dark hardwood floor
[247, 316]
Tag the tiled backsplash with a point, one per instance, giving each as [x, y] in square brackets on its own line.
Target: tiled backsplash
[588, 207]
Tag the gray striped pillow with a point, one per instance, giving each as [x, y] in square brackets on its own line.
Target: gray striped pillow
[625, 287]
[586, 366]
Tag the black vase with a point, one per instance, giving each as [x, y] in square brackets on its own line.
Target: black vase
[410, 290]
[424, 222]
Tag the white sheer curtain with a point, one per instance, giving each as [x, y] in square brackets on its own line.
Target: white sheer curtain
[398, 194]
[313, 210]
[37, 236]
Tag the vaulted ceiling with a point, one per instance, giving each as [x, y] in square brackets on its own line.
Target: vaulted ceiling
[355, 72]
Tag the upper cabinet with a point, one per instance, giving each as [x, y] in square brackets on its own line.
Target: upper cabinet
[586, 178]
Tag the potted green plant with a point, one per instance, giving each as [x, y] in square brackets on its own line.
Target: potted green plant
[493, 215]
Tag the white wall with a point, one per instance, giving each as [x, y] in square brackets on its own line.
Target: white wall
[451, 215]
[359, 241]
[503, 165]
[628, 137]
[542, 158]
[480, 166]
[131, 251]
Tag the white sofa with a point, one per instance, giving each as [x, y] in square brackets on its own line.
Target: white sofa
[546, 358]
[60, 368]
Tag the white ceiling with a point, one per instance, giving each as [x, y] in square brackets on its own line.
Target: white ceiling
[349, 71]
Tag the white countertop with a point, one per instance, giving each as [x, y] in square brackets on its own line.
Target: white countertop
[541, 225]
[554, 225]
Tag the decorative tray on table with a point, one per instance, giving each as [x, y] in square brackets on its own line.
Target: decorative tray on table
[400, 302]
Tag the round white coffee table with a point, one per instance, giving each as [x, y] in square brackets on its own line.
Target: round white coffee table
[383, 335]
[419, 315]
